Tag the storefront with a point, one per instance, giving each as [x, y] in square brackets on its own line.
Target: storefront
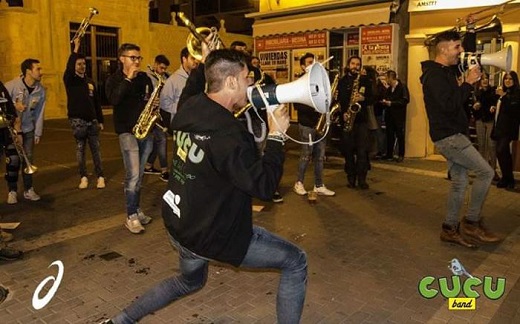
[430, 17]
[339, 29]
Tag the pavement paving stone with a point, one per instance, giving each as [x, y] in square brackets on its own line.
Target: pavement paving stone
[367, 250]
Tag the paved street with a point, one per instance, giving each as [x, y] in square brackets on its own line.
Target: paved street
[367, 250]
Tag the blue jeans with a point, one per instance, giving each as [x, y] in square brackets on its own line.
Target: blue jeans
[135, 152]
[315, 152]
[84, 131]
[159, 148]
[266, 250]
[462, 156]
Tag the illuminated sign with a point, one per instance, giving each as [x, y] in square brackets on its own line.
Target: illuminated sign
[427, 5]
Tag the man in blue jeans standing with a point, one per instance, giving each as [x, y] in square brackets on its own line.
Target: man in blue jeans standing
[216, 170]
[444, 100]
[129, 90]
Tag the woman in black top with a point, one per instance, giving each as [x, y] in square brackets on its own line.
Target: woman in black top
[505, 130]
[484, 107]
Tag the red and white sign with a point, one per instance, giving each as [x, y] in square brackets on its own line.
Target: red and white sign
[300, 40]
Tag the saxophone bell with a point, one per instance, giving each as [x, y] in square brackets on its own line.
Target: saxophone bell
[151, 112]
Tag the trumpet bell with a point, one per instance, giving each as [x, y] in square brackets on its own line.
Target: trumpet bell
[30, 169]
[194, 44]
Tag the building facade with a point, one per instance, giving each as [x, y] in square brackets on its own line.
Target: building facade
[42, 29]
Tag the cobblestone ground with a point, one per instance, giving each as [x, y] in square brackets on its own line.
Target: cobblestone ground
[367, 250]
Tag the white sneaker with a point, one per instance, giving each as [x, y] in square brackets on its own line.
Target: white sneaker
[145, 220]
[299, 188]
[12, 198]
[100, 183]
[83, 183]
[323, 191]
[133, 224]
[31, 195]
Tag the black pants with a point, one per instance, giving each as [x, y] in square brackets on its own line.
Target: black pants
[394, 130]
[354, 147]
[505, 159]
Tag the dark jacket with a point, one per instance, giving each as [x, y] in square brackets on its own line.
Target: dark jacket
[8, 107]
[307, 116]
[128, 97]
[508, 119]
[487, 98]
[215, 172]
[82, 96]
[444, 100]
[345, 90]
[399, 98]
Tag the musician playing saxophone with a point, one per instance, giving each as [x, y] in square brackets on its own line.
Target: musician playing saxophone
[128, 90]
[354, 142]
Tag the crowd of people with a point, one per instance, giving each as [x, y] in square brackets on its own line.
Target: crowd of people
[207, 204]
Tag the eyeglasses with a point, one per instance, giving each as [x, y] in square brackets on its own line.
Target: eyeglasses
[134, 58]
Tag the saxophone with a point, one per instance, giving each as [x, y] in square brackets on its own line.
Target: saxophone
[151, 112]
[322, 124]
[349, 117]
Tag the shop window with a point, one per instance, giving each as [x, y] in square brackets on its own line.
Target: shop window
[99, 46]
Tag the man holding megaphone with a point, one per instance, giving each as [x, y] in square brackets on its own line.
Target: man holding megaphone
[444, 100]
[207, 209]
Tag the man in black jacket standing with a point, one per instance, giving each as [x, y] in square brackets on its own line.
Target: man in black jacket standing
[129, 90]
[395, 100]
[444, 100]
[85, 115]
[216, 171]
[354, 143]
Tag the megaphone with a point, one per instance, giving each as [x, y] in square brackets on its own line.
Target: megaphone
[502, 59]
[312, 89]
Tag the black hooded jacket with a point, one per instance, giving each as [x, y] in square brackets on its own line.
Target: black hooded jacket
[444, 100]
[216, 170]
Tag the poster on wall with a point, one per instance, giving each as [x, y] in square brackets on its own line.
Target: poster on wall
[379, 45]
[276, 64]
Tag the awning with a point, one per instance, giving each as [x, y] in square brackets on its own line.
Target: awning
[324, 20]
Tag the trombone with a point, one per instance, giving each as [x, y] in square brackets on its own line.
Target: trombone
[82, 29]
[198, 36]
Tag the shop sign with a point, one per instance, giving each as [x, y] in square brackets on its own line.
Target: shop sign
[300, 40]
[379, 47]
[427, 5]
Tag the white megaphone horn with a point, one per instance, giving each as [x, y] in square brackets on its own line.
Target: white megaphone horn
[502, 59]
[312, 89]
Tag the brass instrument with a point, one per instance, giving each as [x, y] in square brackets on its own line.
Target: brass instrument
[82, 29]
[493, 25]
[151, 112]
[242, 110]
[324, 121]
[30, 168]
[198, 36]
[349, 117]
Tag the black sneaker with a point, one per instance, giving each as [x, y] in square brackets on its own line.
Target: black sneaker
[277, 198]
[151, 170]
[10, 254]
[165, 176]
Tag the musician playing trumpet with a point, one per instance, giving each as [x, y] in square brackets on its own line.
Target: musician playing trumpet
[128, 90]
[355, 95]
[84, 113]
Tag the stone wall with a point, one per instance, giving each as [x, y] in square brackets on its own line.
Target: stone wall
[41, 30]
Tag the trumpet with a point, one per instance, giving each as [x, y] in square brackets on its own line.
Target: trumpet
[30, 168]
[198, 36]
[82, 29]
[493, 25]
